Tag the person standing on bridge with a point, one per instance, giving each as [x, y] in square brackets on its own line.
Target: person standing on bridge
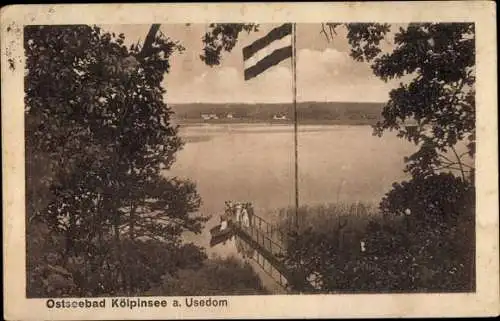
[250, 213]
[244, 218]
[238, 210]
[223, 223]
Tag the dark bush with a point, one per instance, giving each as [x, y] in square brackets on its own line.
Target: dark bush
[128, 267]
[429, 225]
[217, 276]
[436, 198]
[424, 242]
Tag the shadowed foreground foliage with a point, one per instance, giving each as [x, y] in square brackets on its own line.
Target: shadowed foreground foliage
[216, 276]
[103, 219]
[423, 242]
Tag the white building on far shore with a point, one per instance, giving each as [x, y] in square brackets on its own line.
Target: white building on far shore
[280, 116]
[209, 116]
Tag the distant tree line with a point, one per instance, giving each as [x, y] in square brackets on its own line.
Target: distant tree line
[319, 112]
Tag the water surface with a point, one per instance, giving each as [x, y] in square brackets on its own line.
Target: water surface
[256, 163]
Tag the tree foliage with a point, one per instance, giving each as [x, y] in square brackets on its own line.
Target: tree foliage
[99, 139]
[440, 58]
[364, 38]
[222, 37]
[425, 198]
[422, 241]
[217, 276]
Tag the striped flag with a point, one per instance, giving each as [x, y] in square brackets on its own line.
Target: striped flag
[268, 51]
[279, 44]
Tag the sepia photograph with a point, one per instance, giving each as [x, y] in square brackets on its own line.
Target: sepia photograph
[206, 160]
[160, 159]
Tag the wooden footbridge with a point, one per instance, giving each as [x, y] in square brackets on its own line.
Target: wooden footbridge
[264, 243]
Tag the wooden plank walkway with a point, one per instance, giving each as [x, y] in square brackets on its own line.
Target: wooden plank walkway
[268, 243]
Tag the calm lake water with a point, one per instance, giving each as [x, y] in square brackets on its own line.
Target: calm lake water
[255, 163]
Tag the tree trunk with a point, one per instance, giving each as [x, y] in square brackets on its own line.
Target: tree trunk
[148, 42]
[133, 209]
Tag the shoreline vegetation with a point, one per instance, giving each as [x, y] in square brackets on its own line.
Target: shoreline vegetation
[422, 244]
[215, 276]
[322, 218]
[339, 122]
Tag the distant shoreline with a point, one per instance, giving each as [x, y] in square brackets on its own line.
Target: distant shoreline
[354, 122]
[307, 113]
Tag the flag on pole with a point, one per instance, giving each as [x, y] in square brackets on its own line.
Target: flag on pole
[278, 45]
[268, 51]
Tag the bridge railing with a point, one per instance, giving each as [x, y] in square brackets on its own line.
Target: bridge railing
[269, 246]
[265, 234]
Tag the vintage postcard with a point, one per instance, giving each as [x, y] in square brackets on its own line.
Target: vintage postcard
[185, 161]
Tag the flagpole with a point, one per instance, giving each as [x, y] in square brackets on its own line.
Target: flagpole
[295, 122]
[259, 64]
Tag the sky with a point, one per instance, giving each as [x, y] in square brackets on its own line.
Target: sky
[325, 72]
